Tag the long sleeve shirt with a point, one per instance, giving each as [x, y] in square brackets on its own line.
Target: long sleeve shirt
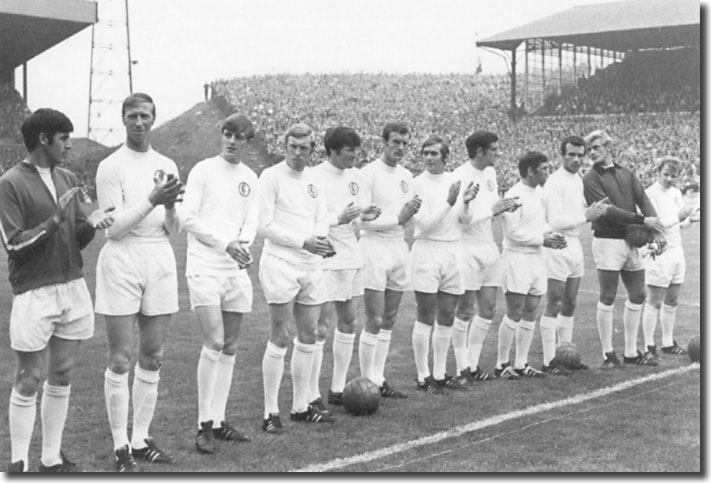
[437, 220]
[668, 202]
[565, 202]
[389, 188]
[123, 181]
[341, 187]
[626, 194]
[292, 209]
[478, 229]
[219, 207]
[40, 251]
[524, 228]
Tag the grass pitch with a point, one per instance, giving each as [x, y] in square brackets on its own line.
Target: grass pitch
[650, 427]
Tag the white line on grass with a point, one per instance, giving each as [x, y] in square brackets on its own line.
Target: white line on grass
[339, 463]
[690, 304]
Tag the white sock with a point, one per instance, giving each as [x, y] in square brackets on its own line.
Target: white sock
[524, 336]
[272, 372]
[53, 410]
[315, 376]
[630, 319]
[225, 370]
[667, 318]
[564, 328]
[460, 328]
[441, 337]
[421, 349]
[206, 381]
[367, 344]
[302, 359]
[145, 396]
[649, 324]
[117, 397]
[548, 329]
[381, 355]
[342, 355]
[507, 332]
[477, 335]
[21, 413]
[604, 326]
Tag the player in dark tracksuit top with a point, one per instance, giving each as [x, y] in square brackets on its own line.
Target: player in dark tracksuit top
[612, 254]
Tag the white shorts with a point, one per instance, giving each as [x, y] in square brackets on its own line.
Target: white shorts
[231, 294]
[385, 263]
[133, 277]
[343, 285]
[524, 273]
[63, 310]
[669, 268]
[435, 267]
[567, 262]
[616, 254]
[282, 282]
[481, 265]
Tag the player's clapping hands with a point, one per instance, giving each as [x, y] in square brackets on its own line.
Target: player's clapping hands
[551, 239]
[370, 213]
[349, 214]
[453, 192]
[166, 191]
[686, 212]
[471, 192]
[319, 245]
[597, 209]
[102, 219]
[60, 214]
[409, 209]
[239, 253]
[505, 204]
[654, 223]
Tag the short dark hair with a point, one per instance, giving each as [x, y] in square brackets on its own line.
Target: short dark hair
[336, 138]
[444, 147]
[532, 159]
[573, 140]
[47, 121]
[238, 124]
[135, 99]
[480, 139]
[398, 127]
[669, 160]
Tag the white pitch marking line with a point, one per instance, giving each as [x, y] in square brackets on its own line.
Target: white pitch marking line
[477, 425]
[690, 304]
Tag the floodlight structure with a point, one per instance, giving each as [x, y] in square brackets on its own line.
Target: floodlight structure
[110, 78]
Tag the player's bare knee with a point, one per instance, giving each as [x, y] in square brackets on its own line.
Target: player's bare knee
[636, 298]
[487, 312]
[671, 301]
[607, 298]
[60, 374]
[321, 332]
[119, 362]
[567, 309]
[27, 381]
[151, 360]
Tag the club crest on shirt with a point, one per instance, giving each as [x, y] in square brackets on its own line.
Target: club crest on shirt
[403, 186]
[244, 189]
[353, 188]
[489, 185]
[311, 189]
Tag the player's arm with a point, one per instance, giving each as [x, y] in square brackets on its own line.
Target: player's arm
[190, 212]
[21, 241]
[641, 199]
[385, 221]
[110, 194]
[83, 229]
[268, 225]
[594, 191]
[248, 231]
[428, 218]
[558, 218]
[172, 221]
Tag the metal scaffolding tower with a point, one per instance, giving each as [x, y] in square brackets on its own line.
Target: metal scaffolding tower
[110, 76]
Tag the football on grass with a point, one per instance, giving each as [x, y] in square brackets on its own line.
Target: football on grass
[361, 397]
[568, 355]
[694, 349]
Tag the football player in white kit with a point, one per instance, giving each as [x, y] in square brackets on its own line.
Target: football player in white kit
[136, 278]
[566, 213]
[388, 185]
[665, 272]
[481, 269]
[340, 183]
[435, 263]
[524, 282]
[292, 219]
[220, 213]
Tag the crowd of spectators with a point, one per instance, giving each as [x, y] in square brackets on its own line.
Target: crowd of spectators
[646, 81]
[452, 106]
